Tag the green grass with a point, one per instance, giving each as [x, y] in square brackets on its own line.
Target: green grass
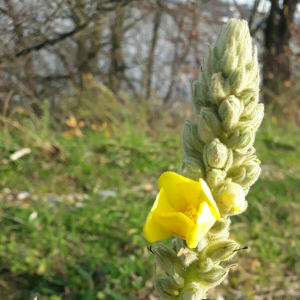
[91, 247]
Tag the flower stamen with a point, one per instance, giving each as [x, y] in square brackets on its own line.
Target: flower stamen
[191, 213]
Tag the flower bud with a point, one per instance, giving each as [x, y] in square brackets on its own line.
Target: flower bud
[187, 255]
[165, 289]
[222, 235]
[220, 225]
[229, 161]
[232, 196]
[255, 118]
[241, 138]
[230, 111]
[199, 92]
[176, 276]
[192, 168]
[252, 67]
[234, 29]
[209, 125]
[213, 277]
[249, 104]
[215, 177]
[240, 156]
[229, 62]
[219, 88]
[205, 264]
[258, 116]
[238, 80]
[221, 250]
[248, 96]
[165, 257]
[191, 139]
[193, 291]
[220, 230]
[215, 154]
[247, 173]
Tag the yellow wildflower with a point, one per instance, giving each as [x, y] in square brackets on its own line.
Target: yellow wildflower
[233, 196]
[183, 207]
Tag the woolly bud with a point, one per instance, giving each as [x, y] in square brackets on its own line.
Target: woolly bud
[229, 61]
[220, 230]
[213, 277]
[238, 80]
[238, 30]
[258, 116]
[205, 264]
[176, 276]
[221, 250]
[220, 225]
[241, 138]
[219, 88]
[247, 173]
[215, 154]
[215, 177]
[209, 125]
[193, 291]
[253, 69]
[165, 289]
[232, 196]
[199, 92]
[187, 255]
[230, 111]
[192, 168]
[165, 257]
[240, 156]
[247, 96]
[222, 235]
[191, 139]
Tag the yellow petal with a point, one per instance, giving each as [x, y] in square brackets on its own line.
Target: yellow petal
[181, 191]
[207, 197]
[153, 231]
[162, 203]
[176, 222]
[205, 221]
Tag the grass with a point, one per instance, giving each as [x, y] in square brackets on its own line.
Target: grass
[78, 234]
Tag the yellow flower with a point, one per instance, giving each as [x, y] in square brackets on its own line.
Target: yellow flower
[233, 196]
[183, 207]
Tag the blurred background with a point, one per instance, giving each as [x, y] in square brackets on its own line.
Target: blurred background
[93, 95]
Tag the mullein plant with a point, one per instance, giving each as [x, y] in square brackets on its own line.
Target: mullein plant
[218, 167]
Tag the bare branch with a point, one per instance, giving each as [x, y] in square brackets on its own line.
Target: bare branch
[46, 43]
[253, 12]
[3, 11]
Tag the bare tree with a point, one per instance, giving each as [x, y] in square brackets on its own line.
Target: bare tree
[277, 35]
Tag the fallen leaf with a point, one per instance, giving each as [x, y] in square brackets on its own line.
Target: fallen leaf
[254, 264]
[71, 122]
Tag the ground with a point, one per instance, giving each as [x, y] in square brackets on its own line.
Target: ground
[72, 212]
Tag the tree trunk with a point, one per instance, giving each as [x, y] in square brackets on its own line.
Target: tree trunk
[157, 19]
[117, 66]
[277, 34]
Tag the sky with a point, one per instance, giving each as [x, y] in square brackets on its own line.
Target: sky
[263, 7]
